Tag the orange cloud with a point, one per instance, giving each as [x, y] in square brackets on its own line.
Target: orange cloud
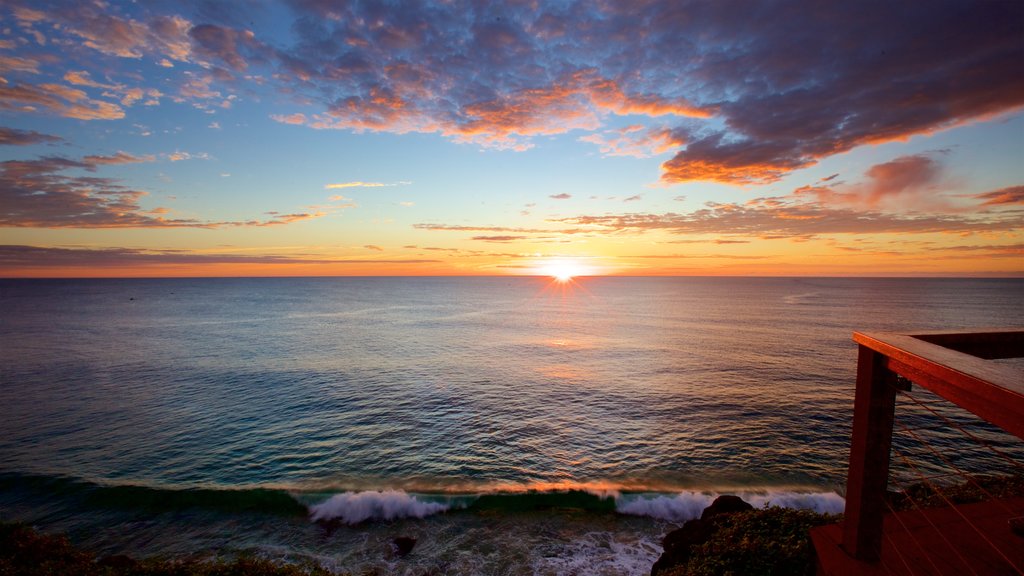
[635, 141]
[1012, 195]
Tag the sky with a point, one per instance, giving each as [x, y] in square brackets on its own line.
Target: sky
[661, 137]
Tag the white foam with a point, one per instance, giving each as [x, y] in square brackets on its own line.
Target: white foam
[679, 508]
[599, 553]
[689, 505]
[356, 507]
[821, 502]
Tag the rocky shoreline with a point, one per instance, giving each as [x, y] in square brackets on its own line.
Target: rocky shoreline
[732, 537]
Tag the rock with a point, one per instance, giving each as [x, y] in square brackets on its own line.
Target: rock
[679, 542]
[404, 545]
[725, 504]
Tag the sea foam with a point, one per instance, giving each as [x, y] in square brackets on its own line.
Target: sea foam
[356, 507]
[689, 505]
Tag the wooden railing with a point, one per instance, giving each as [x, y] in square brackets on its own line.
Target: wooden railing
[954, 365]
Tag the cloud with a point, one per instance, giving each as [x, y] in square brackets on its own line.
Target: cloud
[297, 118]
[373, 247]
[41, 193]
[635, 141]
[58, 99]
[562, 196]
[119, 158]
[128, 96]
[906, 174]
[42, 257]
[178, 156]
[99, 27]
[495, 229]
[788, 217]
[15, 137]
[737, 100]
[498, 238]
[549, 69]
[356, 184]
[18, 64]
[1011, 195]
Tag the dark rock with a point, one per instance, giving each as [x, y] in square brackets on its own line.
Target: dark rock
[725, 504]
[678, 544]
[118, 562]
[404, 545]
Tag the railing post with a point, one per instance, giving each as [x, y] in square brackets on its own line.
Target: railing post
[871, 440]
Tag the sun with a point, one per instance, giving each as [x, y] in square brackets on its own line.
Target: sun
[563, 270]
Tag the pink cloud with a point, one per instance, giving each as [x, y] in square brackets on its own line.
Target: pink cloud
[14, 137]
[1009, 196]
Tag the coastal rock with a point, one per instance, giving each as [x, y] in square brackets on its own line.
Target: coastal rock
[403, 545]
[679, 543]
[725, 504]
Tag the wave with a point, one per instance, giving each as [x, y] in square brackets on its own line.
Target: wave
[154, 499]
[358, 506]
[689, 504]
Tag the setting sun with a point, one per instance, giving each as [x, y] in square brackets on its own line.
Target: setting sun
[564, 270]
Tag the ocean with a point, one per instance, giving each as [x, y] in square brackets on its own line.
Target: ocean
[512, 425]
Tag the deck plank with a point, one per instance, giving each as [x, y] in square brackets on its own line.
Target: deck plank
[934, 542]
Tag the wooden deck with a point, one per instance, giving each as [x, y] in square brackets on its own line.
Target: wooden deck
[934, 542]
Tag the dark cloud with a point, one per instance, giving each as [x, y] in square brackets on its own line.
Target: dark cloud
[41, 193]
[877, 72]
[784, 84]
[562, 196]
[235, 48]
[15, 137]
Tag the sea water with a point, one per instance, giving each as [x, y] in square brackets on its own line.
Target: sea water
[510, 424]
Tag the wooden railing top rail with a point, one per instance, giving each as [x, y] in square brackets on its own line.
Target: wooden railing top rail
[993, 392]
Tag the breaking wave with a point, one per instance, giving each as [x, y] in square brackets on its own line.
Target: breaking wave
[689, 505]
[356, 507]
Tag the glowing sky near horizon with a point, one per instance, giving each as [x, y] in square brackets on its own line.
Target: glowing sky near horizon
[657, 137]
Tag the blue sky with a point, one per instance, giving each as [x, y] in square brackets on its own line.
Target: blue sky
[334, 138]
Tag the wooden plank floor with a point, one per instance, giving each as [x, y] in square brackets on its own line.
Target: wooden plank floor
[935, 542]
